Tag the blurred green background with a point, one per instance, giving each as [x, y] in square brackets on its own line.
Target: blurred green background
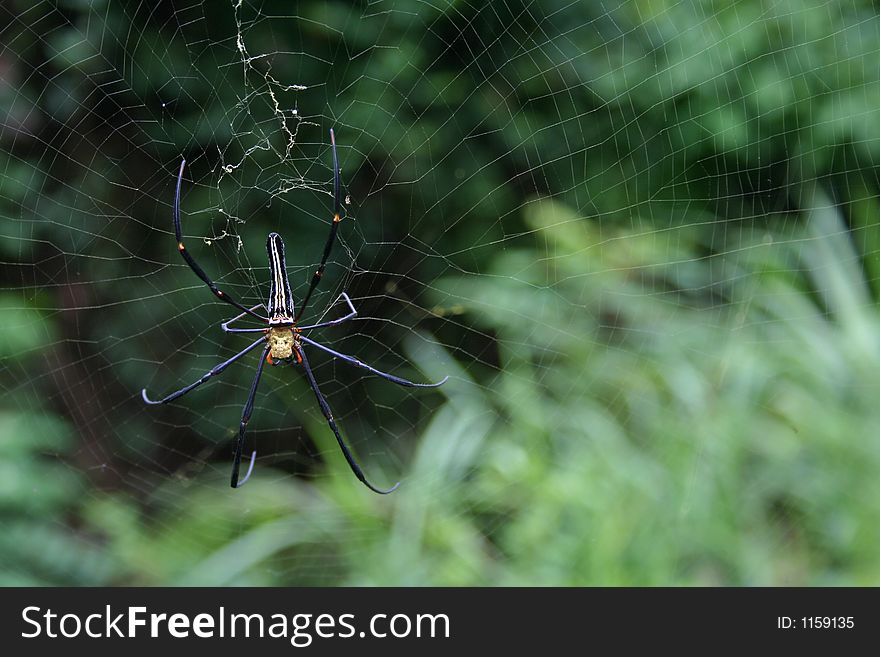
[641, 236]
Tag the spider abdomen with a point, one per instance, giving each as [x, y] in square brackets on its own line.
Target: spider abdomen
[282, 345]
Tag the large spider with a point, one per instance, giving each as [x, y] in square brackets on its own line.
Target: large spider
[282, 338]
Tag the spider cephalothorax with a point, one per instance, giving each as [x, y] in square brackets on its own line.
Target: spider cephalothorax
[283, 345]
[282, 339]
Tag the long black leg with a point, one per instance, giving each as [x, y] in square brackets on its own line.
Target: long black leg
[245, 418]
[357, 363]
[351, 314]
[191, 261]
[214, 371]
[328, 414]
[250, 469]
[334, 227]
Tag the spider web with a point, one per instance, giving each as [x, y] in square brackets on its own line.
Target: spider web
[640, 237]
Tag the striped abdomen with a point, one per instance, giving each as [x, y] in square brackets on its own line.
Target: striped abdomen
[280, 304]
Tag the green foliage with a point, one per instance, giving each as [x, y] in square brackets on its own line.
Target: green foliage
[644, 234]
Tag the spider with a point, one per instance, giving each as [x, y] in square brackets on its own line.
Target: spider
[282, 338]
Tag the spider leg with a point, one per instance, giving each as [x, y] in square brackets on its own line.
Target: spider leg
[212, 372]
[334, 322]
[245, 418]
[225, 325]
[390, 377]
[250, 469]
[334, 227]
[191, 261]
[328, 414]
